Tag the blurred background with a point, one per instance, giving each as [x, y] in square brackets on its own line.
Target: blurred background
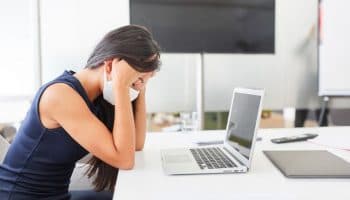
[209, 47]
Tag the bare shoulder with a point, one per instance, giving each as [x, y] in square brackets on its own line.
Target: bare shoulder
[58, 94]
[59, 99]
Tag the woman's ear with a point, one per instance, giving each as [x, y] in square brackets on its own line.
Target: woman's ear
[107, 67]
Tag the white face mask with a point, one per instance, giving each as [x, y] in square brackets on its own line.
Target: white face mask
[108, 93]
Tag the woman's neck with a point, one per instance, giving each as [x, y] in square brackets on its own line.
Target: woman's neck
[90, 79]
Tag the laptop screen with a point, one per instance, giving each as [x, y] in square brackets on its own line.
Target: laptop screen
[242, 121]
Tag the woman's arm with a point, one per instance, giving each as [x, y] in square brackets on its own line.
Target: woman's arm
[65, 106]
[139, 107]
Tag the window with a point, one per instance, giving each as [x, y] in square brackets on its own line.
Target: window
[17, 80]
[16, 49]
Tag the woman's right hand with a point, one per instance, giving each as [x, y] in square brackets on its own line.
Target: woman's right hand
[123, 74]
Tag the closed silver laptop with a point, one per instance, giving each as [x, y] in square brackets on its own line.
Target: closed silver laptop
[235, 155]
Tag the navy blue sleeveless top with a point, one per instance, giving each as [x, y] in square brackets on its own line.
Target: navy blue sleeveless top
[40, 161]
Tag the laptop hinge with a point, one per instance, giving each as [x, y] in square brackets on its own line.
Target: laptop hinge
[236, 158]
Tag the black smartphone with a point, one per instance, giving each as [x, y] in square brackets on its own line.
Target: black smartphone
[294, 138]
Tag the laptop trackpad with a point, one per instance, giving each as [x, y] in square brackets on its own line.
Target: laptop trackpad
[178, 158]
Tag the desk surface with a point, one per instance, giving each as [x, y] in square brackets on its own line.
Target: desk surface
[148, 181]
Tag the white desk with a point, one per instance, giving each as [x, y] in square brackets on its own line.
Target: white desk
[263, 182]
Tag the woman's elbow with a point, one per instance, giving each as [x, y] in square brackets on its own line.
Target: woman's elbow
[128, 166]
[139, 148]
[125, 164]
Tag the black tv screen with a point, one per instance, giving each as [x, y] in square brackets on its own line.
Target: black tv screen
[213, 26]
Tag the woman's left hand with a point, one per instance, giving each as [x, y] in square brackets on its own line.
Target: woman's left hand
[139, 85]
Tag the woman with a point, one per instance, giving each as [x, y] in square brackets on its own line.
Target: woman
[84, 112]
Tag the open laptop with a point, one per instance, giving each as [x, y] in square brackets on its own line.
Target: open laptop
[235, 155]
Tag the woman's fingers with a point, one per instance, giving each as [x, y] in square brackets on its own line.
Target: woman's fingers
[124, 73]
[139, 84]
[139, 81]
[127, 75]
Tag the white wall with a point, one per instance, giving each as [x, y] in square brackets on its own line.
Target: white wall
[70, 29]
[335, 49]
[174, 87]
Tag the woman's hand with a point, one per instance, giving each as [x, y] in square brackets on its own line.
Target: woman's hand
[123, 74]
[140, 83]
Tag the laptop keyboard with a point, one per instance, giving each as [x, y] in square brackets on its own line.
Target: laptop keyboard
[211, 158]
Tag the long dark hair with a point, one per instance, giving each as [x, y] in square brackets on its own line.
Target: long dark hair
[136, 46]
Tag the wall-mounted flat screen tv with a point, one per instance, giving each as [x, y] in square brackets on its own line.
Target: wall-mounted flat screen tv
[212, 26]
